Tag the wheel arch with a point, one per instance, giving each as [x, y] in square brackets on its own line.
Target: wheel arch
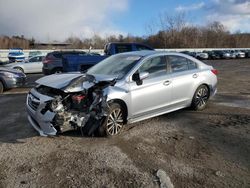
[18, 67]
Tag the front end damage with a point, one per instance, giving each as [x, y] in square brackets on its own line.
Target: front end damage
[80, 104]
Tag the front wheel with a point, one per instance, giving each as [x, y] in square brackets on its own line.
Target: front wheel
[200, 98]
[114, 122]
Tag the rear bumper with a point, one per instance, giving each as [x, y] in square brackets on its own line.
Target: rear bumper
[46, 71]
[213, 90]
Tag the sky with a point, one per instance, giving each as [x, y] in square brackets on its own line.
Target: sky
[49, 20]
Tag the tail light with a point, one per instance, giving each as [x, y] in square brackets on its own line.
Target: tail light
[47, 60]
[215, 71]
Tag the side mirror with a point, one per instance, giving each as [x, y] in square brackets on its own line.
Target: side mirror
[139, 77]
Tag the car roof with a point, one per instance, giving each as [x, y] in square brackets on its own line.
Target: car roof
[145, 53]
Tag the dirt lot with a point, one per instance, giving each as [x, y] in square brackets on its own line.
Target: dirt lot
[196, 149]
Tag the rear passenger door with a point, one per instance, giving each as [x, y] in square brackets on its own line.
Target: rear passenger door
[184, 74]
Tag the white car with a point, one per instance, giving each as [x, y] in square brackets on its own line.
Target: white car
[238, 53]
[32, 65]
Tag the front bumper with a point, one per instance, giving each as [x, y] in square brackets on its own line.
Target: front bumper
[41, 121]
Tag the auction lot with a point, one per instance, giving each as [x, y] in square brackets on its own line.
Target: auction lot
[210, 148]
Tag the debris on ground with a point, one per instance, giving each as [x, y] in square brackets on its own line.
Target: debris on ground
[164, 179]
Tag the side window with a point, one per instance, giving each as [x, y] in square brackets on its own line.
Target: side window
[123, 48]
[155, 66]
[191, 65]
[40, 58]
[178, 63]
[141, 47]
[32, 60]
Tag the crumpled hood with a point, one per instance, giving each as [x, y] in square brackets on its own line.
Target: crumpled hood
[61, 81]
[58, 81]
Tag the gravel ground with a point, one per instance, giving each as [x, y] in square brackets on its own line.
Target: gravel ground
[210, 148]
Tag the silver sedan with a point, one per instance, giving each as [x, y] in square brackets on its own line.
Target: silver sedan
[123, 88]
[32, 65]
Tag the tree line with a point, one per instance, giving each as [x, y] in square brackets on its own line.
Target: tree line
[173, 32]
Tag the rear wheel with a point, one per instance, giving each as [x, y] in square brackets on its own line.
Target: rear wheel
[1, 87]
[200, 98]
[19, 69]
[114, 122]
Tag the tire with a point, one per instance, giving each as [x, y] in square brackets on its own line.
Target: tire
[200, 98]
[1, 87]
[19, 68]
[113, 123]
[57, 71]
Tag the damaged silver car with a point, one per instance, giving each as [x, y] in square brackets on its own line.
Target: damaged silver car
[123, 88]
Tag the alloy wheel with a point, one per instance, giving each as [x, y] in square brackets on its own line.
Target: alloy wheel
[115, 122]
[201, 97]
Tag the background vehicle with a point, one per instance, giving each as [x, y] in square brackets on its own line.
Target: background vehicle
[247, 53]
[119, 90]
[201, 55]
[52, 63]
[74, 62]
[238, 53]
[32, 65]
[212, 54]
[35, 53]
[16, 55]
[10, 78]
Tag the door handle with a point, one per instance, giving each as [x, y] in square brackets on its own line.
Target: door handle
[166, 83]
[195, 75]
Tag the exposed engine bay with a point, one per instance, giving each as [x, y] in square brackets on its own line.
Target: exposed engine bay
[81, 104]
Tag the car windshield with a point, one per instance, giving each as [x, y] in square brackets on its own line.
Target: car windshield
[116, 65]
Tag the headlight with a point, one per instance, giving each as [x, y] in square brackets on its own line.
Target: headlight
[10, 75]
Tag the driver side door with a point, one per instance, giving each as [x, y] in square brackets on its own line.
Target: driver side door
[154, 93]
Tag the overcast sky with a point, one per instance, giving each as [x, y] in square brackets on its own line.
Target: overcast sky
[48, 20]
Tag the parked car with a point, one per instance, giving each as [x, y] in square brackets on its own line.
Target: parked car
[35, 53]
[52, 62]
[32, 65]
[16, 55]
[212, 54]
[201, 55]
[188, 53]
[247, 53]
[238, 53]
[74, 62]
[124, 88]
[10, 78]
